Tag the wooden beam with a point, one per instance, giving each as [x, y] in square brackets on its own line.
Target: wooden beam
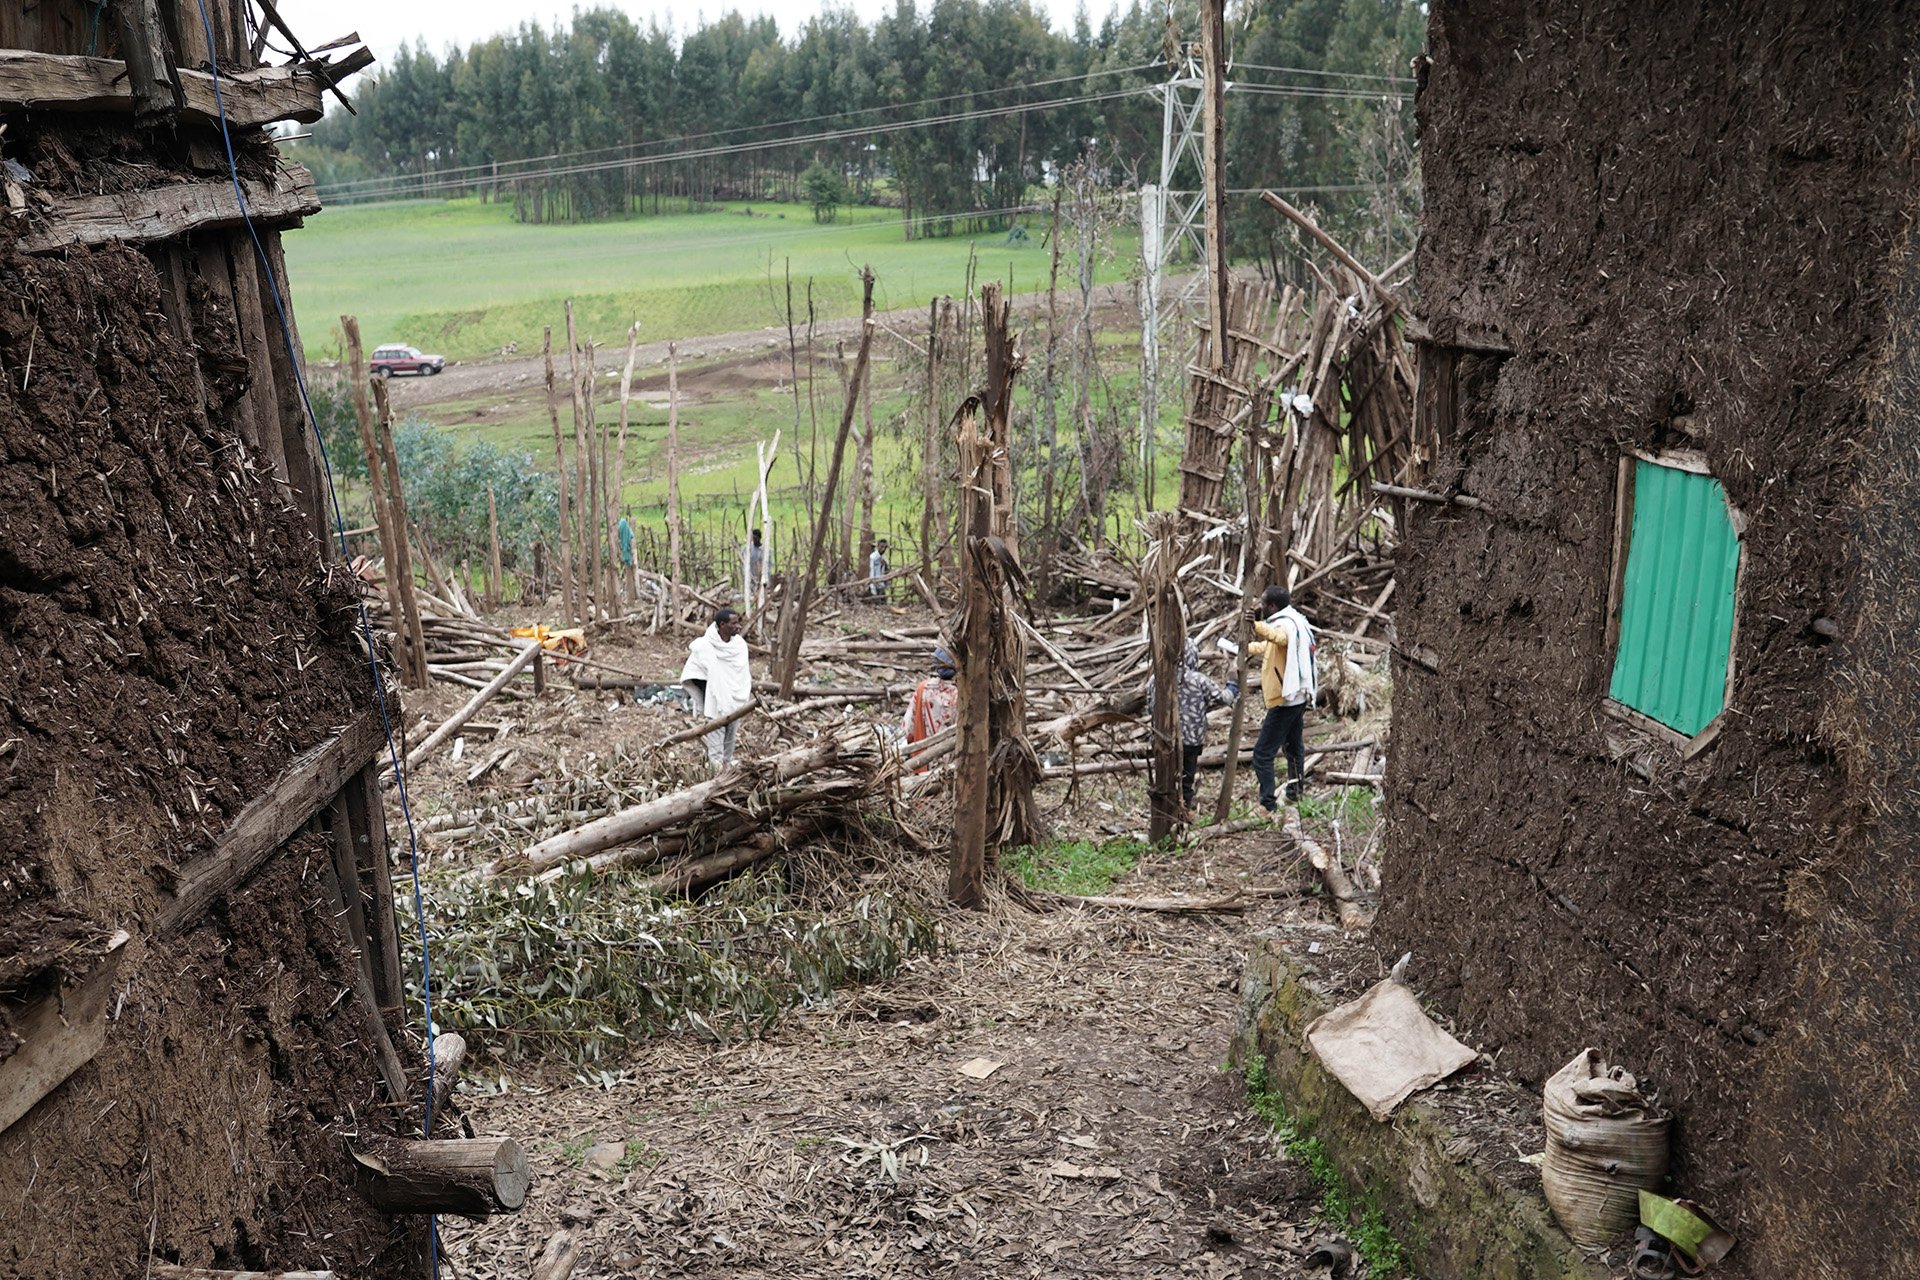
[59, 1033]
[167, 213]
[67, 82]
[303, 788]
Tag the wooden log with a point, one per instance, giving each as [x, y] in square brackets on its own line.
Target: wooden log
[449, 1055]
[1339, 887]
[170, 212]
[58, 1034]
[559, 1256]
[402, 564]
[1388, 302]
[1427, 495]
[169, 1271]
[360, 977]
[740, 712]
[691, 877]
[148, 71]
[641, 820]
[308, 782]
[369, 826]
[474, 1177]
[412, 660]
[69, 82]
[453, 723]
[1182, 905]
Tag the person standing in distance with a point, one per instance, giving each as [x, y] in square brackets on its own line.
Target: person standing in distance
[719, 679]
[877, 570]
[1285, 645]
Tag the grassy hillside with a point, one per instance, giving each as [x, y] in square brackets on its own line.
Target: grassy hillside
[463, 279]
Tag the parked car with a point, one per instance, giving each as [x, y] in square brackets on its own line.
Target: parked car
[406, 360]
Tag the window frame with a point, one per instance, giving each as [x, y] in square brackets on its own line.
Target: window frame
[1695, 461]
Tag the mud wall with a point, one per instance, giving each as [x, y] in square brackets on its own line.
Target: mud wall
[1675, 226]
[170, 638]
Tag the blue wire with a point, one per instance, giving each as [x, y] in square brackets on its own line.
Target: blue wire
[366, 627]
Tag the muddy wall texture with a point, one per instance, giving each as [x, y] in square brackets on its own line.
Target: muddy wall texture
[1653, 227]
[169, 639]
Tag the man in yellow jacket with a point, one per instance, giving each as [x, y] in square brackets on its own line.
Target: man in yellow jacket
[1285, 647]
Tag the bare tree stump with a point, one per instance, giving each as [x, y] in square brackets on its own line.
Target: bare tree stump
[474, 1177]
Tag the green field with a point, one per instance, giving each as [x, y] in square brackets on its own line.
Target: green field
[463, 279]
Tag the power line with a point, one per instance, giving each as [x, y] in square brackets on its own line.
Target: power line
[471, 175]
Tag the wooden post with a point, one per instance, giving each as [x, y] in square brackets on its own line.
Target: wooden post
[863, 481]
[410, 669]
[1253, 576]
[587, 550]
[997, 769]
[794, 615]
[570, 602]
[1166, 637]
[673, 487]
[474, 1177]
[631, 585]
[930, 450]
[1213, 176]
[498, 591]
[397, 506]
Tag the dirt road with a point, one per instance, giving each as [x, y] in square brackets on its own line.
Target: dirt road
[472, 379]
[872, 1139]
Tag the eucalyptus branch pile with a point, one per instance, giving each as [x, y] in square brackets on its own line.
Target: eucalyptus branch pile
[573, 967]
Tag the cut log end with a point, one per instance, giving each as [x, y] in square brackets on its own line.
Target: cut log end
[474, 1177]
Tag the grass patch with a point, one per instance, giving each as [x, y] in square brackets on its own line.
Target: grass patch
[1357, 1213]
[1074, 866]
[462, 278]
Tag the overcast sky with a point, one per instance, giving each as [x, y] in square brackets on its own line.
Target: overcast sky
[386, 25]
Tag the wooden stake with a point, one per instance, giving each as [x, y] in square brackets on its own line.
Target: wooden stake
[1166, 636]
[496, 587]
[930, 450]
[412, 660]
[794, 619]
[570, 601]
[673, 487]
[631, 585]
[397, 507]
[586, 549]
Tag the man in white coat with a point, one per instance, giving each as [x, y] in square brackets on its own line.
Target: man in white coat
[718, 677]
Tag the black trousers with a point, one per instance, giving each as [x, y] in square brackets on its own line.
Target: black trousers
[1284, 728]
[1189, 771]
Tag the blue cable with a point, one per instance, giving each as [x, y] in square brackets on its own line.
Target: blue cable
[366, 627]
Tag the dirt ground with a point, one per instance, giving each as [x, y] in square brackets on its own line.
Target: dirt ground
[1107, 1138]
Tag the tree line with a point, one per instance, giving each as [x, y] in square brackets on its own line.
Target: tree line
[953, 113]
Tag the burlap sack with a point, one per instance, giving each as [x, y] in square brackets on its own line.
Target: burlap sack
[1605, 1141]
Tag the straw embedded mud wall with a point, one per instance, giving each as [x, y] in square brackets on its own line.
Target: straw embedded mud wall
[196, 963]
[1654, 229]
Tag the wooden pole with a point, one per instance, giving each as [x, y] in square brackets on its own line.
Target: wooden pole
[1213, 150]
[673, 487]
[1166, 637]
[1253, 470]
[972, 645]
[453, 723]
[930, 450]
[570, 602]
[997, 769]
[397, 504]
[794, 617]
[412, 663]
[497, 587]
[587, 550]
[631, 586]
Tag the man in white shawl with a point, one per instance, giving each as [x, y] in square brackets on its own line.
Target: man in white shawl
[1285, 647]
[718, 677]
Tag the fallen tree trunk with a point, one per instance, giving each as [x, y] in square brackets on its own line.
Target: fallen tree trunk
[1181, 905]
[455, 722]
[740, 712]
[560, 1255]
[696, 874]
[641, 820]
[1346, 898]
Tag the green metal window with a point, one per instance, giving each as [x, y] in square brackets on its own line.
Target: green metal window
[1676, 599]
